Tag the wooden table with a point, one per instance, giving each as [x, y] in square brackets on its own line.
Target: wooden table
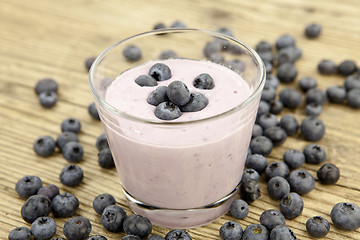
[53, 38]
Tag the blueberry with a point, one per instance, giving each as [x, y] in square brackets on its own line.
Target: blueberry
[216, 58]
[294, 158]
[71, 125]
[250, 173]
[272, 218]
[336, 94]
[264, 107]
[44, 146]
[317, 226]
[211, 48]
[71, 175]
[236, 49]
[255, 232]
[73, 152]
[347, 67]
[137, 225]
[353, 98]
[263, 46]
[257, 162]
[43, 228]
[178, 24]
[256, 131]
[267, 56]
[155, 237]
[92, 110]
[276, 106]
[167, 54]
[239, 209]
[289, 124]
[64, 205]
[346, 216]
[328, 174]
[267, 120]
[46, 84]
[268, 94]
[284, 41]
[301, 181]
[307, 83]
[351, 82]
[130, 237]
[97, 237]
[167, 111]
[77, 228]
[105, 159]
[48, 99]
[158, 96]
[291, 98]
[327, 67]
[268, 67]
[272, 81]
[102, 201]
[291, 205]
[261, 145]
[89, 61]
[101, 142]
[159, 25]
[288, 55]
[314, 154]
[177, 234]
[277, 168]
[160, 72]
[312, 30]
[249, 190]
[236, 65]
[197, 102]
[312, 128]
[313, 109]
[204, 81]
[225, 30]
[315, 95]
[231, 231]
[276, 134]
[49, 190]
[146, 81]
[132, 53]
[112, 218]
[28, 186]
[64, 138]
[20, 233]
[278, 187]
[282, 233]
[34, 207]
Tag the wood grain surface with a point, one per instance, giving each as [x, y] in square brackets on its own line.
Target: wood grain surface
[43, 38]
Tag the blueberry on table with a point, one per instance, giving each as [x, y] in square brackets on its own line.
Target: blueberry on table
[225, 30]
[288, 55]
[250, 173]
[212, 48]
[276, 106]
[101, 142]
[282, 232]
[20, 233]
[336, 94]
[160, 72]
[313, 109]
[257, 162]
[267, 120]
[328, 174]
[73, 152]
[291, 205]
[105, 159]
[263, 108]
[277, 168]
[197, 102]
[271, 218]
[146, 81]
[278, 187]
[71, 175]
[352, 81]
[312, 128]
[132, 53]
[231, 231]
[28, 186]
[92, 110]
[77, 228]
[347, 67]
[317, 226]
[315, 95]
[327, 67]
[301, 181]
[353, 98]
[64, 138]
[49, 190]
[44, 146]
[346, 216]
[294, 158]
[204, 81]
[314, 154]
[267, 56]
[64, 205]
[46, 84]
[239, 209]
[155, 237]
[130, 237]
[255, 232]
[168, 54]
[289, 124]
[177, 234]
[48, 99]
[167, 111]
[268, 67]
[256, 131]
[71, 125]
[312, 30]
[216, 58]
[43, 228]
[268, 94]
[276, 134]
[137, 225]
[34, 207]
[261, 145]
[236, 65]
[112, 218]
[285, 40]
[102, 201]
[89, 61]
[264, 46]
[97, 237]
[307, 83]
[159, 25]
[178, 24]
[291, 98]
[249, 190]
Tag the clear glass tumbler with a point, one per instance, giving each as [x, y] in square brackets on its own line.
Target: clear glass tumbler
[180, 174]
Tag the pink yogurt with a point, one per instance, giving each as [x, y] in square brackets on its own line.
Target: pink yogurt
[191, 162]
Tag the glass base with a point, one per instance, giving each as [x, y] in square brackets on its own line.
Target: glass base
[182, 218]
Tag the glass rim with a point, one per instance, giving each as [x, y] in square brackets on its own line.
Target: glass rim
[101, 101]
